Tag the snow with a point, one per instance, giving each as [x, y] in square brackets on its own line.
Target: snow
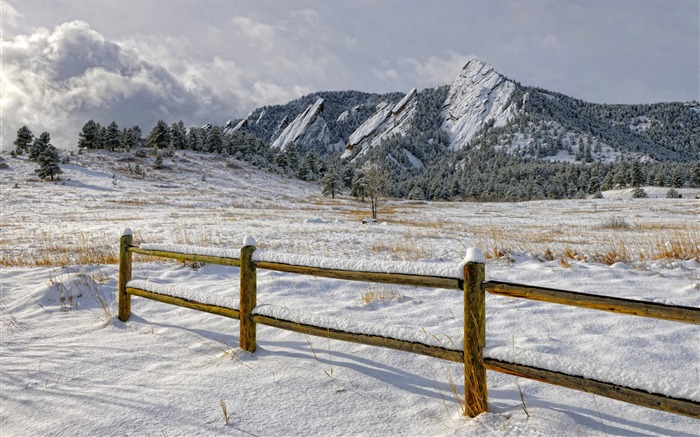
[127, 232]
[479, 94]
[474, 255]
[387, 121]
[371, 124]
[394, 332]
[402, 103]
[297, 128]
[193, 250]
[169, 290]
[71, 368]
[443, 270]
[415, 162]
[249, 241]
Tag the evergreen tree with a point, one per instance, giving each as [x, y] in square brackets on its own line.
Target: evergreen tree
[89, 136]
[635, 174]
[48, 163]
[159, 161]
[673, 194]
[159, 136]
[331, 183]
[639, 193]
[215, 140]
[677, 181]
[416, 193]
[359, 184]
[195, 139]
[695, 176]
[132, 138]
[178, 135]
[39, 145]
[113, 137]
[309, 166]
[24, 140]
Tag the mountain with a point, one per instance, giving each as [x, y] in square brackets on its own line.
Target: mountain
[481, 108]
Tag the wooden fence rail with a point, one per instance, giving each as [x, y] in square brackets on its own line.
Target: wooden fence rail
[473, 287]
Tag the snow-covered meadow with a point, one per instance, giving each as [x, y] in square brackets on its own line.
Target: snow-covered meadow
[69, 367]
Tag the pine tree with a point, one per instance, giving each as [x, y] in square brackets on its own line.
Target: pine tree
[195, 139]
[178, 135]
[39, 145]
[113, 137]
[639, 193]
[89, 136]
[24, 140]
[48, 163]
[331, 183]
[132, 138]
[416, 193]
[215, 140]
[695, 176]
[159, 136]
[635, 174]
[677, 181]
[359, 184]
[159, 161]
[673, 194]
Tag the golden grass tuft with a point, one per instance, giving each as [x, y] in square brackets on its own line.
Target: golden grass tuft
[380, 294]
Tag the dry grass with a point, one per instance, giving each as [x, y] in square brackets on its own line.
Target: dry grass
[224, 412]
[51, 250]
[380, 294]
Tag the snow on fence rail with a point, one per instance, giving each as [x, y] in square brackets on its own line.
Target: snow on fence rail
[468, 277]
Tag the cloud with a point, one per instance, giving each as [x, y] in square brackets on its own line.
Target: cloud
[56, 80]
[258, 35]
[435, 70]
[10, 16]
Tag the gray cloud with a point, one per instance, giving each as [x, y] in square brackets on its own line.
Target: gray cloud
[56, 80]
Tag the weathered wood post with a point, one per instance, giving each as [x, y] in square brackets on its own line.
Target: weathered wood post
[248, 298]
[125, 241]
[475, 390]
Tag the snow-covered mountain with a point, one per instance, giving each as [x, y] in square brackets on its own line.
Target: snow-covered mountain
[478, 97]
[480, 108]
[389, 119]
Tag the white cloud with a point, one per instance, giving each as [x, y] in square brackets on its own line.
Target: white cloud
[257, 34]
[9, 15]
[435, 70]
[56, 80]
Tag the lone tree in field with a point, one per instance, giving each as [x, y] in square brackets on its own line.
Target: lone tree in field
[48, 163]
[331, 183]
[24, 140]
[376, 186]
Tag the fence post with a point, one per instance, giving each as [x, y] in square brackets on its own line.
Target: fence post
[125, 241]
[248, 297]
[475, 390]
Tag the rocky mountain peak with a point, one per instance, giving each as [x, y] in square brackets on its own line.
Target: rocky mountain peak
[478, 96]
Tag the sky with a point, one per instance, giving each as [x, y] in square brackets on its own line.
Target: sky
[136, 62]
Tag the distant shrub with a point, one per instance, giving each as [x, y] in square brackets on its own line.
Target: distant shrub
[673, 194]
[639, 193]
[615, 223]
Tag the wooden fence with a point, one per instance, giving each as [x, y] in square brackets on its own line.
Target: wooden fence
[473, 287]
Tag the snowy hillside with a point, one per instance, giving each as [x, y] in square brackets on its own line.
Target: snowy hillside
[71, 368]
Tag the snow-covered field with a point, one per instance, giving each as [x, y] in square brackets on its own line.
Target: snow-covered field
[69, 367]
